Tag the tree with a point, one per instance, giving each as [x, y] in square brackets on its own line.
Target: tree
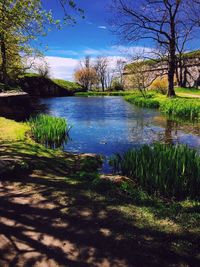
[22, 21]
[101, 67]
[86, 77]
[163, 21]
[140, 76]
[120, 70]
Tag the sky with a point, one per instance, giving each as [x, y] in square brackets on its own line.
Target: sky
[90, 36]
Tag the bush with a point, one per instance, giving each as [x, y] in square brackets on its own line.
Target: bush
[160, 85]
[117, 86]
[167, 170]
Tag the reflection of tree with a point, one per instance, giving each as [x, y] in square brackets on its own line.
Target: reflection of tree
[170, 127]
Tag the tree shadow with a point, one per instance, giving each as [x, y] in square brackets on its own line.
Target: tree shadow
[52, 217]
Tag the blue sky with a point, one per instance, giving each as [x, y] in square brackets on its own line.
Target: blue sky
[90, 36]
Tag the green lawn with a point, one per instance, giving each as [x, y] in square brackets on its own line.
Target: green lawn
[188, 90]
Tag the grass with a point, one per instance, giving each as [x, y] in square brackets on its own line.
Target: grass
[71, 86]
[133, 217]
[49, 131]
[185, 108]
[106, 93]
[11, 130]
[188, 90]
[167, 170]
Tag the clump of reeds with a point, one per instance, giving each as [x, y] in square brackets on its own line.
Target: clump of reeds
[49, 131]
[167, 170]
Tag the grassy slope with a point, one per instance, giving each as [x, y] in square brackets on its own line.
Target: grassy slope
[71, 86]
[67, 84]
[64, 176]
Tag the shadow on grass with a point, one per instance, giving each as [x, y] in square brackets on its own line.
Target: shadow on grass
[53, 217]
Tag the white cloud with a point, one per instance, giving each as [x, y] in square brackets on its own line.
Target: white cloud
[60, 68]
[63, 67]
[115, 50]
[102, 27]
[63, 52]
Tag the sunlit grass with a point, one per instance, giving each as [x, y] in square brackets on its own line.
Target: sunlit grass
[167, 170]
[12, 130]
[178, 106]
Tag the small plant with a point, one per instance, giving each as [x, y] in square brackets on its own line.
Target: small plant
[49, 131]
[171, 171]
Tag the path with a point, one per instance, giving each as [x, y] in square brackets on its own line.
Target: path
[48, 219]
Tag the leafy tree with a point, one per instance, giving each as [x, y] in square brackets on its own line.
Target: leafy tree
[22, 21]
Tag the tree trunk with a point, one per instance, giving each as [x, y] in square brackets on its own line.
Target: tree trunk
[102, 85]
[172, 61]
[171, 73]
[4, 62]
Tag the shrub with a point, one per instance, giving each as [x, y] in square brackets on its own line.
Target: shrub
[49, 131]
[160, 85]
[171, 171]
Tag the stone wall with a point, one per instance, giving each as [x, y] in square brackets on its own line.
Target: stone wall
[191, 70]
[15, 105]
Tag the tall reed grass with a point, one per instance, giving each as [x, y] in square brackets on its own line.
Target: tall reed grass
[181, 107]
[49, 131]
[167, 170]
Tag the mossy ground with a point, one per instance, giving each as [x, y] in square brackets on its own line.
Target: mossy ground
[105, 223]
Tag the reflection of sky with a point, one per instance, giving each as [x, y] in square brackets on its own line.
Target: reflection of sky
[107, 125]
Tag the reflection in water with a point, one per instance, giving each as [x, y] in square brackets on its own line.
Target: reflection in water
[107, 125]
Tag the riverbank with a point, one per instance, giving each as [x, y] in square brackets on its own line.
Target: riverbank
[57, 210]
[185, 106]
[182, 107]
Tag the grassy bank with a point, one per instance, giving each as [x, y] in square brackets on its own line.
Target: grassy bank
[106, 93]
[71, 86]
[185, 108]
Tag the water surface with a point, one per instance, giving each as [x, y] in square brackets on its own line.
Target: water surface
[108, 125]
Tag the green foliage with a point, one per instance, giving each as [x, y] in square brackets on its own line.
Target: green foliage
[184, 108]
[49, 131]
[171, 171]
[107, 93]
[117, 85]
[71, 86]
[140, 101]
[189, 109]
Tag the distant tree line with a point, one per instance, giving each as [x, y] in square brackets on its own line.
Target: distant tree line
[100, 73]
